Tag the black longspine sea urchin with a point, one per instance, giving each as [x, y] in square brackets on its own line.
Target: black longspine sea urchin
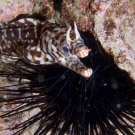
[71, 104]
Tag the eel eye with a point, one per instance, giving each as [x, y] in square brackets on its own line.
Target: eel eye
[65, 49]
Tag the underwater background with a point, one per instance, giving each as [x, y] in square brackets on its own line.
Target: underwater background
[52, 99]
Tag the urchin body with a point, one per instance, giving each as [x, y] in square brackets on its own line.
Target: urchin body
[42, 43]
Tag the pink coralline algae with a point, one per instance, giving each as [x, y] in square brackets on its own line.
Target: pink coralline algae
[115, 29]
[78, 11]
[83, 12]
[9, 9]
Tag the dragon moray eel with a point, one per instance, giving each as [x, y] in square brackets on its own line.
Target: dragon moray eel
[41, 43]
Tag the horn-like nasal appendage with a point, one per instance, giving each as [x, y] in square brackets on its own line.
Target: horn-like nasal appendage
[76, 32]
[68, 39]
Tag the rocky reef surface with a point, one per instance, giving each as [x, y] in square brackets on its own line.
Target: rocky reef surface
[10, 9]
[12, 121]
[115, 29]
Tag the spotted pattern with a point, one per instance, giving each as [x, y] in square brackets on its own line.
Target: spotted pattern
[41, 43]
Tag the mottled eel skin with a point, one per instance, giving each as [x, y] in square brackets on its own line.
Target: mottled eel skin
[42, 43]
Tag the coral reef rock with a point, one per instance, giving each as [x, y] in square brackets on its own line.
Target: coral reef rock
[9, 9]
[115, 28]
[78, 11]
